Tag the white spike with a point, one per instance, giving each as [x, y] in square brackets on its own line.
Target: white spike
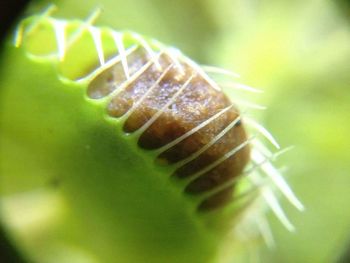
[273, 203]
[144, 96]
[262, 148]
[245, 173]
[217, 70]
[278, 180]
[209, 144]
[240, 86]
[91, 19]
[118, 38]
[114, 60]
[161, 111]
[60, 31]
[118, 58]
[259, 146]
[49, 10]
[234, 180]
[201, 72]
[46, 13]
[148, 48]
[194, 130]
[265, 230]
[220, 160]
[267, 158]
[19, 35]
[96, 36]
[136, 75]
[250, 105]
[263, 131]
[173, 54]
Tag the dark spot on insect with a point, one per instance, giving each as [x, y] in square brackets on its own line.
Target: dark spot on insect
[239, 123]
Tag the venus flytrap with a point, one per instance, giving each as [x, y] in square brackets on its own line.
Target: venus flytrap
[132, 152]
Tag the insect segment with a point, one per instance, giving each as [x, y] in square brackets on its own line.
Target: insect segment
[174, 110]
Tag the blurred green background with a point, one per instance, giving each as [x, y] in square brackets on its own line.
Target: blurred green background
[298, 52]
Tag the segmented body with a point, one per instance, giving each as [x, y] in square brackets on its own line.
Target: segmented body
[172, 107]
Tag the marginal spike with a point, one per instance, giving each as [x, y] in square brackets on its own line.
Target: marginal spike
[278, 180]
[91, 19]
[160, 112]
[201, 72]
[118, 39]
[220, 160]
[263, 131]
[60, 31]
[217, 70]
[250, 105]
[209, 144]
[240, 86]
[147, 47]
[131, 79]
[20, 30]
[96, 36]
[148, 92]
[173, 54]
[192, 131]
[273, 203]
[265, 230]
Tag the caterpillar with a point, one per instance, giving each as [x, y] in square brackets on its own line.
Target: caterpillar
[172, 114]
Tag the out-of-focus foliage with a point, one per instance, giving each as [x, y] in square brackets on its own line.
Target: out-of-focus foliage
[299, 53]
